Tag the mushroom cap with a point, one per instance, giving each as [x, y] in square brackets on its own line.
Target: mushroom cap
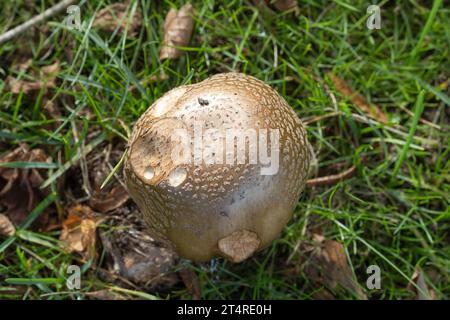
[204, 202]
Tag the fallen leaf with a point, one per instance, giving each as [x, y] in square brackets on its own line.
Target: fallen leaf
[102, 201]
[344, 89]
[19, 187]
[279, 5]
[419, 279]
[16, 86]
[79, 231]
[328, 265]
[138, 258]
[286, 5]
[190, 280]
[7, 229]
[178, 27]
[115, 16]
[46, 80]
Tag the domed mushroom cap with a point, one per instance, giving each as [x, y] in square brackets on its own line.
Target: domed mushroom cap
[217, 167]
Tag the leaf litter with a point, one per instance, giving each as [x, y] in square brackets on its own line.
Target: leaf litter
[278, 5]
[7, 229]
[327, 265]
[178, 27]
[370, 109]
[20, 187]
[79, 231]
[421, 292]
[116, 16]
[132, 257]
[192, 283]
[46, 78]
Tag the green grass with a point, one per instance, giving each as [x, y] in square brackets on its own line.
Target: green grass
[394, 212]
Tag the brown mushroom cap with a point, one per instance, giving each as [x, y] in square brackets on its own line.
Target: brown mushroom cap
[207, 209]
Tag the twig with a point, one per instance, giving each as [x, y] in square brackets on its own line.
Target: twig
[332, 179]
[35, 20]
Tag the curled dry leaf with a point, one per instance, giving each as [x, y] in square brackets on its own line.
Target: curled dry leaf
[422, 292]
[190, 280]
[178, 27]
[20, 188]
[46, 79]
[115, 16]
[278, 5]
[107, 201]
[7, 229]
[372, 110]
[78, 232]
[329, 266]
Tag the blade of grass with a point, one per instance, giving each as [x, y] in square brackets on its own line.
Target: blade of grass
[114, 170]
[75, 158]
[38, 210]
[427, 28]
[418, 109]
[25, 281]
[29, 165]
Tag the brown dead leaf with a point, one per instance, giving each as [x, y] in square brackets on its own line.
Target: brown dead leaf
[16, 86]
[329, 266]
[286, 5]
[106, 201]
[138, 258]
[20, 188]
[116, 16]
[46, 79]
[178, 27]
[278, 5]
[344, 89]
[419, 279]
[79, 231]
[7, 229]
[190, 280]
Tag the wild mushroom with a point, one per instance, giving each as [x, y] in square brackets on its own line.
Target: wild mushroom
[217, 167]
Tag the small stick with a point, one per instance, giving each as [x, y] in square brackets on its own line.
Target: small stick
[35, 20]
[332, 179]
